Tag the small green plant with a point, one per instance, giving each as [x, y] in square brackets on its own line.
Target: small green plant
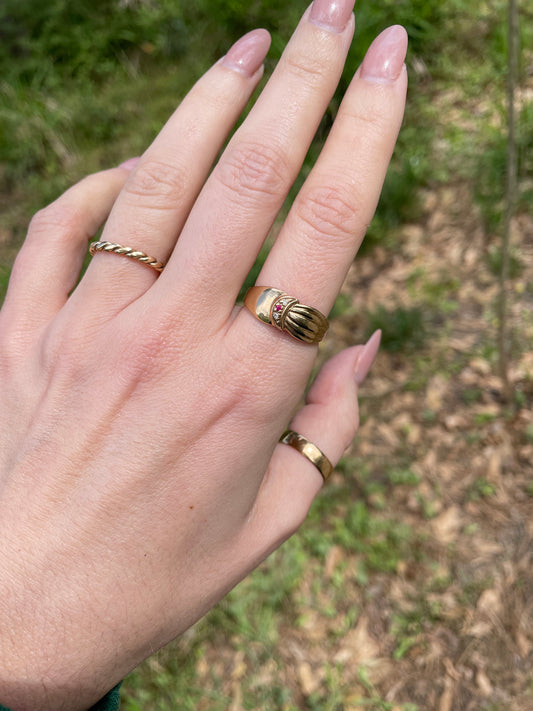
[484, 418]
[429, 416]
[481, 489]
[374, 701]
[402, 327]
[405, 477]
[471, 395]
[494, 259]
[399, 202]
[488, 186]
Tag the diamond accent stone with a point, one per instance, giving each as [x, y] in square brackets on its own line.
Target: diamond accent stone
[279, 309]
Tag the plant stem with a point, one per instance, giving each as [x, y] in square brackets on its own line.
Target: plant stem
[510, 197]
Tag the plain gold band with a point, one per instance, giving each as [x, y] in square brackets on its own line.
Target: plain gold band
[310, 452]
[122, 251]
[286, 313]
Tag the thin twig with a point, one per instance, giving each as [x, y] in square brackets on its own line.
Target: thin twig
[510, 197]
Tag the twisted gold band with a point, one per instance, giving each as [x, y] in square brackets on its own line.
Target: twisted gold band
[310, 452]
[286, 313]
[126, 252]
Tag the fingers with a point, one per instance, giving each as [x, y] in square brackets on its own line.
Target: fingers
[245, 191]
[49, 263]
[152, 208]
[330, 216]
[329, 420]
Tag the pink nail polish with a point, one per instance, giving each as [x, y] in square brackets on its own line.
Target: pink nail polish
[366, 357]
[248, 53]
[385, 57]
[331, 15]
[130, 163]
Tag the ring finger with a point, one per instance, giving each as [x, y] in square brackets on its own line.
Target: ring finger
[331, 214]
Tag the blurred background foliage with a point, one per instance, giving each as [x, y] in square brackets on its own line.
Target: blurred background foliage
[86, 84]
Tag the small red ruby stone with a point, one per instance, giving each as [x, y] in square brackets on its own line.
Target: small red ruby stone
[278, 307]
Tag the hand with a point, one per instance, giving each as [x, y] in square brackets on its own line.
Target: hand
[140, 472]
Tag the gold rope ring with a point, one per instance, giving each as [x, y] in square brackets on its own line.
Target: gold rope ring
[286, 313]
[310, 452]
[126, 252]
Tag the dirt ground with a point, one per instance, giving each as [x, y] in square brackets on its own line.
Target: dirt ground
[442, 410]
[450, 628]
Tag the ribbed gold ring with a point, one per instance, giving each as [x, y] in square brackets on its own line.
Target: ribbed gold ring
[142, 257]
[286, 313]
[310, 452]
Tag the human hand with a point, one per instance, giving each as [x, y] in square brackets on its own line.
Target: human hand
[140, 472]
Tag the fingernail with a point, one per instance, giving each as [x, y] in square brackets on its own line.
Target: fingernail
[331, 15]
[385, 57]
[366, 357]
[248, 53]
[130, 163]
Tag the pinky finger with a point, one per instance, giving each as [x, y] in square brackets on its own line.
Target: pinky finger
[49, 263]
[329, 419]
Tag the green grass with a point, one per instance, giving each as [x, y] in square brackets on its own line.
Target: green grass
[252, 615]
[92, 84]
[94, 81]
[250, 618]
[402, 477]
[403, 328]
[516, 263]
[481, 489]
[471, 395]
[4, 279]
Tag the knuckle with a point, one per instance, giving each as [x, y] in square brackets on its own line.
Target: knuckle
[254, 171]
[156, 184]
[375, 122]
[59, 218]
[312, 70]
[329, 212]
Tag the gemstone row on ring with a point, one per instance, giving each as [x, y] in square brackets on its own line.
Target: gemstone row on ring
[279, 309]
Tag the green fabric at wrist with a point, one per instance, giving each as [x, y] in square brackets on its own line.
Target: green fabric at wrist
[110, 702]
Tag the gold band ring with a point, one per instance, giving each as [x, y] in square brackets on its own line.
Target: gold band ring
[286, 313]
[310, 452]
[126, 252]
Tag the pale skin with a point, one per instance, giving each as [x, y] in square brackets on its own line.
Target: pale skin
[140, 472]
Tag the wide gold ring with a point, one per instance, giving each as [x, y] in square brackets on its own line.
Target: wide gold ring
[115, 248]
[310, 452]
[286, 313]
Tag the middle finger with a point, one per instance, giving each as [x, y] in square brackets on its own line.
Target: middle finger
[246, 190]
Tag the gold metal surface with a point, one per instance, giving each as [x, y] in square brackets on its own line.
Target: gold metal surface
[286, 313]
[259, 300]
[142, 257]
[310, 452]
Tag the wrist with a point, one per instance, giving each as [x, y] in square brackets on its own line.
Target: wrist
[41, 668]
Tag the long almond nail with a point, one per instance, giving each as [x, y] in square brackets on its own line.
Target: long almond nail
[248, 53]
[385, 57]
[366, 357]
[331, 15]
